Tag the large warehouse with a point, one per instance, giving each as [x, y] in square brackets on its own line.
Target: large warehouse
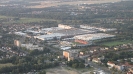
[73, 31]
[52, 29]
[90, 37]
[65, 31]
[49, 36]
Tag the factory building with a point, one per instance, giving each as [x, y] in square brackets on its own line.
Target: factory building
[97, 29]
[84, 39]
[88, 27]
[49, 36]
[50, 30]
[81, 41]
[73, 31]
[20, 34]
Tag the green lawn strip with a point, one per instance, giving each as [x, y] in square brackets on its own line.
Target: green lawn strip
[4, 17]
[115, 43]
[29, 20]
[6, 65]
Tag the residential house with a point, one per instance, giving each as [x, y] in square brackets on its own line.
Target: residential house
[96, 60]
[110, 64]
[131, 70]
[120, 67]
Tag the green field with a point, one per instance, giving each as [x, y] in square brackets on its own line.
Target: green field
[24, 20]
[4, 17]
[115, 43]
[6, 65]
[29, 20]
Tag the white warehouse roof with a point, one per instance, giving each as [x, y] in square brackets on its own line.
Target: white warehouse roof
[52, 29]
[49, 36]
[95, 36]
[20, 33]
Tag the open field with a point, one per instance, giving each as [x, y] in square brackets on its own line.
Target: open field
[4, 17]
[115, 43]
[44, 4]
[25, 20]
[28, 20]
[6, 65]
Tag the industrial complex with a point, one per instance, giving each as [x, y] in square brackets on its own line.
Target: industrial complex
[70, 36]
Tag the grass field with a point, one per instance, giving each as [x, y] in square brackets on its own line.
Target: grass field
[25, 20]
[115, 43]
[44, 4]
[29, 20]
[3, 17]
[6, 65]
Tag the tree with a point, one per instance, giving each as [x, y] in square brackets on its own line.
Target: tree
[81, 65]
[75, 65]
[91, 72]
[43, 72]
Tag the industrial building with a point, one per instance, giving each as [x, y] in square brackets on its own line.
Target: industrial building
[49, 36]
[65, 31]
[88, 27]
[65, 45]
[81, 41]
[61, 32]
[50, 30]
[91, 37]
[73, 31]
[97, 28]
[20, 33]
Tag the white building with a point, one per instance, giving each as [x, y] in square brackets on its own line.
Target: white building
[20, 33]
[91, 37]
[65, 48]
[96, 28]
[64, 26]
[52, 29]
[49, 36]
[110, 64]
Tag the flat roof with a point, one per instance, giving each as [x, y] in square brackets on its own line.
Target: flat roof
[49, 35]
[35, 32]
[73, 31]
[20, 33]
[51, 29]
[93, 36]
